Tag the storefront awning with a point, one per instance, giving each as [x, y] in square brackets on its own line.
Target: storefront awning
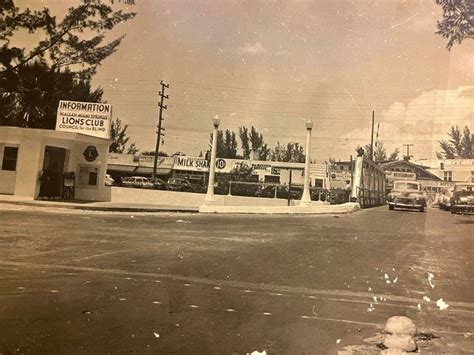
[144, 170]
[121, 168]
[148, 171]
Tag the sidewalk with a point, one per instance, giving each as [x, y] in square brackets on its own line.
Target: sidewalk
[97, 206]
[224, 205]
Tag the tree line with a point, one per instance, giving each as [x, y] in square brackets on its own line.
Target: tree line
[252, 146]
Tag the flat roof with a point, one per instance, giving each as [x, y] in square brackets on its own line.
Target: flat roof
[26, 131]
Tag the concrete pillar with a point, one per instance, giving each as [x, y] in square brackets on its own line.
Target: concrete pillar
[210, 199]
[306, 198]
[357, 183]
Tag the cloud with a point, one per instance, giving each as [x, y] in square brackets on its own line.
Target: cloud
[423, 121]
[253, 48]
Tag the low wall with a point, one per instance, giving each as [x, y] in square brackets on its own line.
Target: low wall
[173, 198]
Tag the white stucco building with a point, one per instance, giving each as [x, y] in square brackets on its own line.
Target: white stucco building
[452, 170]
[26, 152]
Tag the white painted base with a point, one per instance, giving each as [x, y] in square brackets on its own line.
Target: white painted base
[312, 209]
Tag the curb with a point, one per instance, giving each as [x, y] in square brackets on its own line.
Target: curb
[343, 209]
[176, 209]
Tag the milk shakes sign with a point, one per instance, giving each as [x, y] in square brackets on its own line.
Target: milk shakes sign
[88, 118]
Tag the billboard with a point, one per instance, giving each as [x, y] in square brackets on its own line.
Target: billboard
[223, 165]
[88, 118]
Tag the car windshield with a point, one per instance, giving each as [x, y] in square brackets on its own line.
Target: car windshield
[406, 186]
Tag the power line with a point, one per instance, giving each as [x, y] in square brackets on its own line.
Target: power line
[270, 91]
[234, 110]
[302, 104]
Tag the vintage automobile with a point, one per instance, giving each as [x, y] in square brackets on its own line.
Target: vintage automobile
[159, 184]
[462, 199]
[137, 181]
[282, 192]
[109, 181]
[406, 194]
[185, 185]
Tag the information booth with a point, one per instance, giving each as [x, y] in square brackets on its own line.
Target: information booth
[47, 164]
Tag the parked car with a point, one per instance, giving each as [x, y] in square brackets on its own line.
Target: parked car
[406, 194]
[182, 184]
[463, 198]
[138, 182]
[109, 181]
[159, 184]
[282, 192]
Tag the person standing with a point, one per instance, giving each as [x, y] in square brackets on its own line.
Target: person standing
[45, 181]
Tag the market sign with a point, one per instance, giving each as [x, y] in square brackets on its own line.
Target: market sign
[88, 118]
[400, 175]
[149, 161]
[223, 165]
[190, 163]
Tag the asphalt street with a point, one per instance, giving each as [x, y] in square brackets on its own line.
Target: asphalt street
[97, 282]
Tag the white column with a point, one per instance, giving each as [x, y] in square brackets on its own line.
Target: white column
[306, 198]
[357, 183]
[209, 199]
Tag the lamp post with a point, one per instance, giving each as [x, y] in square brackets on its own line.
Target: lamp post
[306, 198]
[209, 199]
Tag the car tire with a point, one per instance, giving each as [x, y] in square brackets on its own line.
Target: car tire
[421, 209]
[391, 207]
[453, 211]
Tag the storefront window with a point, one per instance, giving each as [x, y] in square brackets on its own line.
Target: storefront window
[318, 183]
[10, 155]
[88, 175]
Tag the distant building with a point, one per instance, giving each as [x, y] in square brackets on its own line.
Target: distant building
[197, 169]
[122, 165]
[406, 170]
[453, 170]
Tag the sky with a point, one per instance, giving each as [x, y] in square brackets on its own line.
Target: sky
[276, 64]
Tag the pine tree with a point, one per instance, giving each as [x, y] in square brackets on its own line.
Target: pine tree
[459, 145]
[458, 21]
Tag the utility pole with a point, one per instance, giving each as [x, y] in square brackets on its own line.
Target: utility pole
[159, 134]
[372, 137]
[408, 150]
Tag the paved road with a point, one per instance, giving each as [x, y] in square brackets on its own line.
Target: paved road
[95, 282]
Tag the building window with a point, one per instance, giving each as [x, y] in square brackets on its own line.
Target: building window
[10, 155]
[318, 182]
[448, 176]
[88, 176]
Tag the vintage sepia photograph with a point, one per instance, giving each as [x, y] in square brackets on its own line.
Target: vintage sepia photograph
[249, 177]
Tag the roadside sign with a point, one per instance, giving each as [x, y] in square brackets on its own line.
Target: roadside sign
[88, 118]
[400, 175]
[220, 163]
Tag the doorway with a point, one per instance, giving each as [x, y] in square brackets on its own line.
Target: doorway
[52, 174]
